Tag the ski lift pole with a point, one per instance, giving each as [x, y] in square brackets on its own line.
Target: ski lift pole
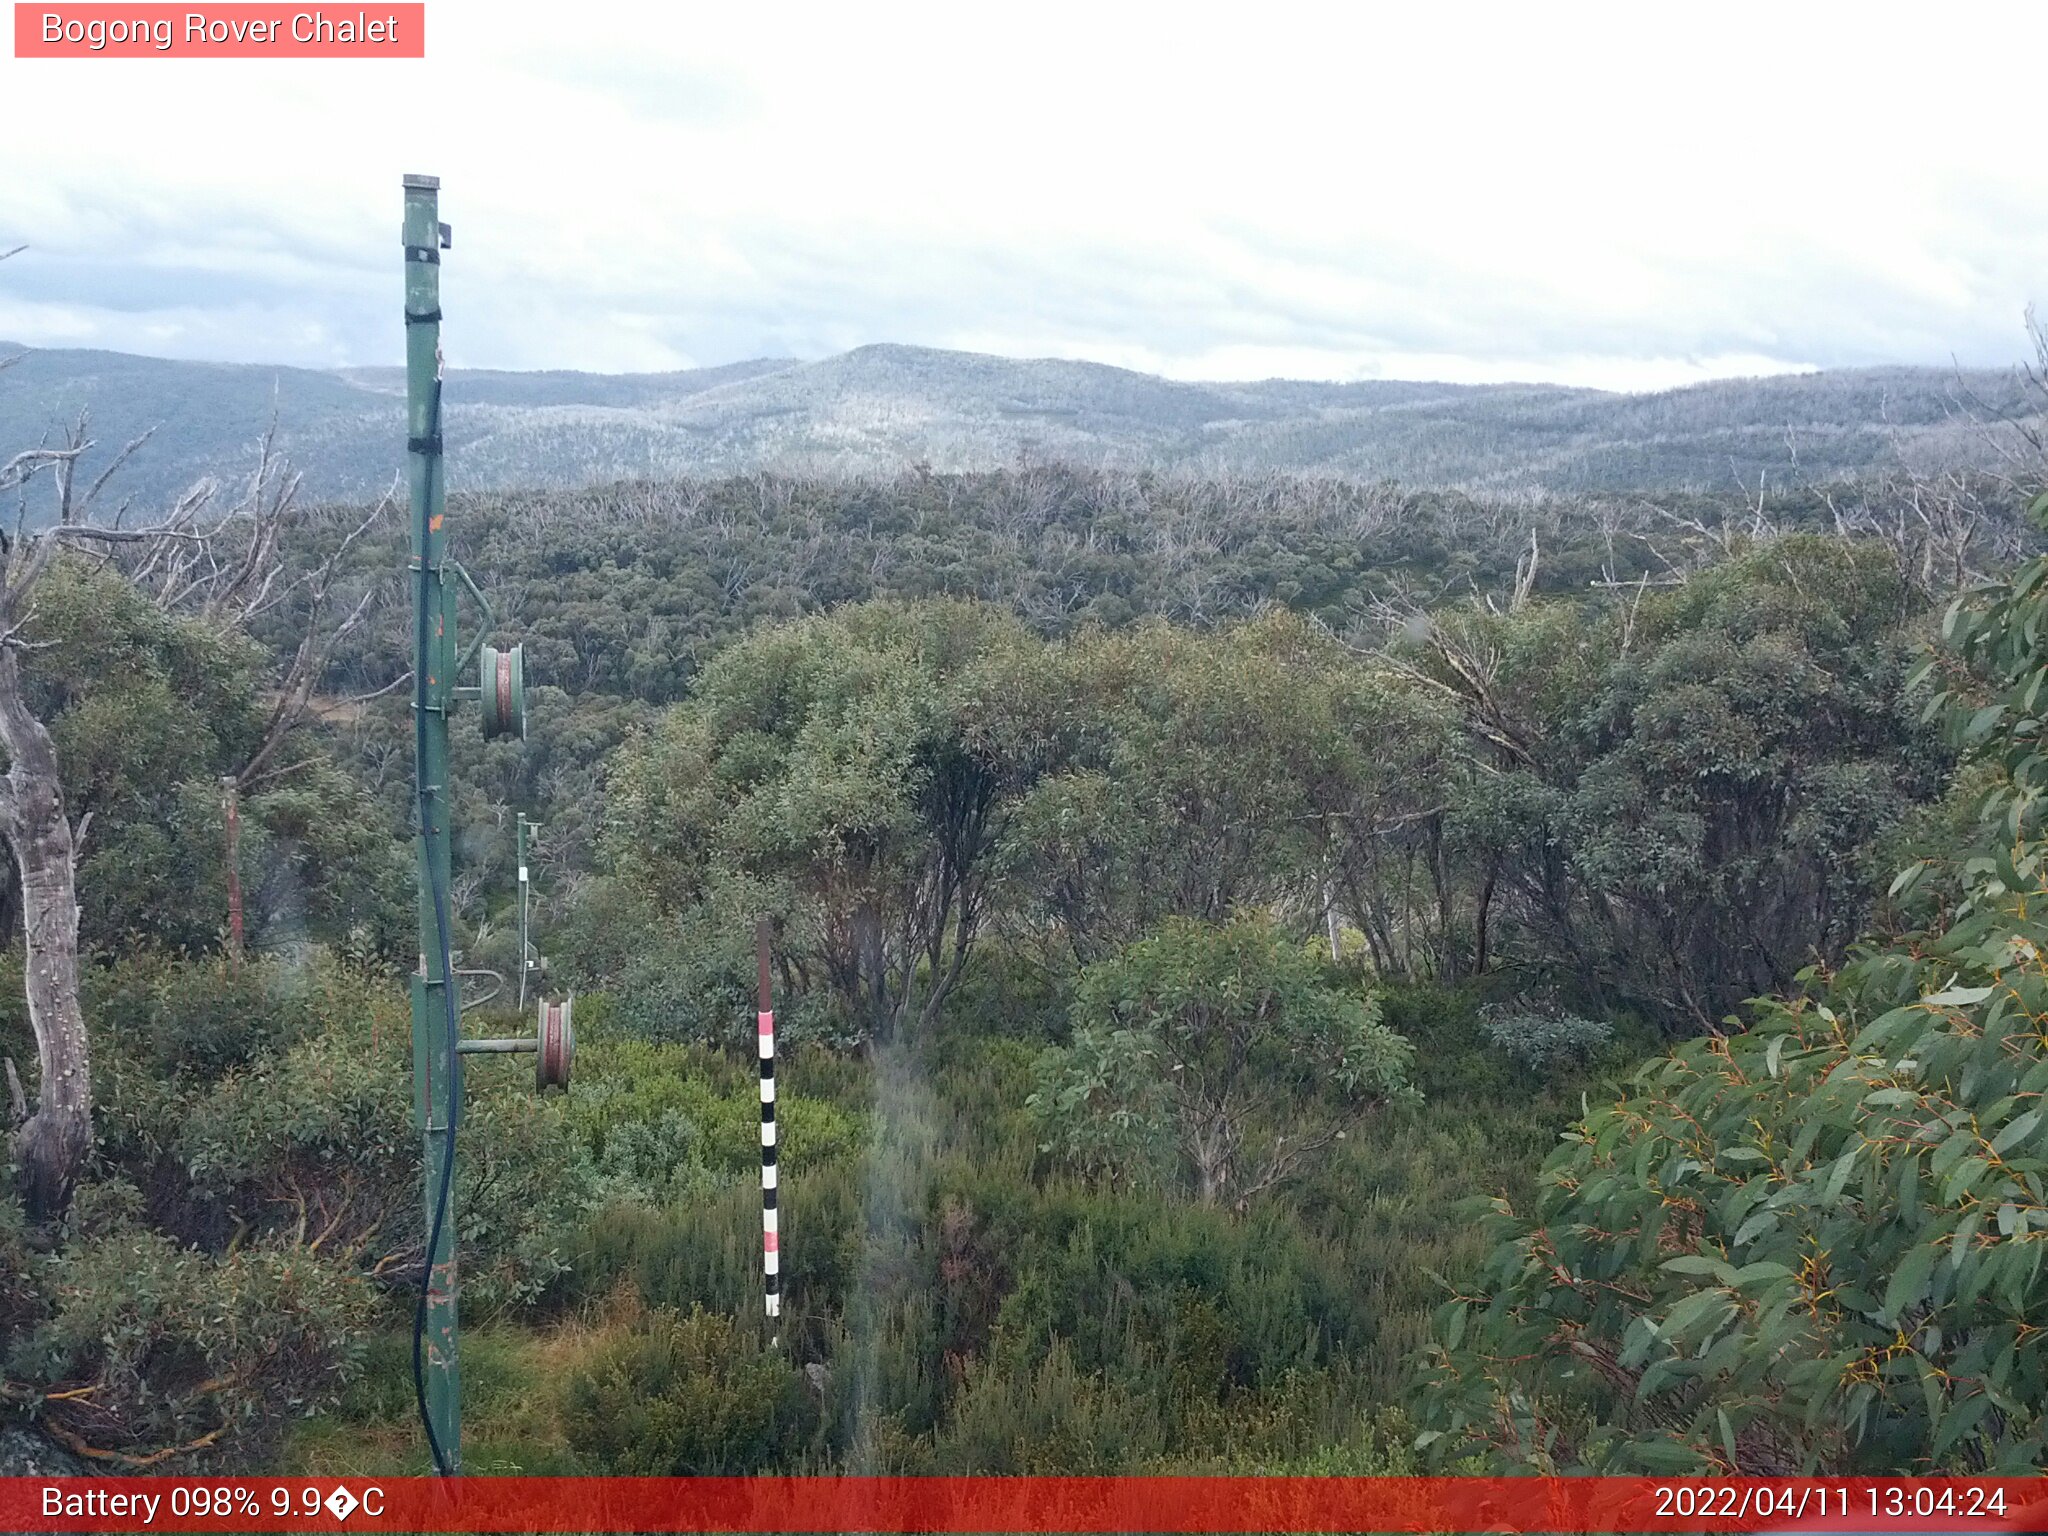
[437, 1042]
[435, 1005]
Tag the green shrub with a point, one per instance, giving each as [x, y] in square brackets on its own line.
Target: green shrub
[159, 1348]
[309, 1140]
[688, 1396]
[21, 1292]
[1051, 1419]
[812, 1071]
[656, 1117]
[199, 1018]
[1801, 1249]
[705, 1254]
[886, 1359]
[17, 1039]
[1214, 1057]
[1544, 1042]
[683, 974]
[708, 1252]
[1815, 1245]
[1006, 992]
[1220, 1304]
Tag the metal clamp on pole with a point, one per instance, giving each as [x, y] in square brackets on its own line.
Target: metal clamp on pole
[553, 1047]
[502, 681]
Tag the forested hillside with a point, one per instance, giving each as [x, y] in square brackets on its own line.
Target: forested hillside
[883, 409]
[1185, 892]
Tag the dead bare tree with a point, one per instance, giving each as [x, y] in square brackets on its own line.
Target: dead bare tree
[226, 569]
[1525, 579]
[1947, 527]
[1448, 658]
[51, 1144]
[219, 566]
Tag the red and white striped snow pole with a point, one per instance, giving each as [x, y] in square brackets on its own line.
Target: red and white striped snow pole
[771, 1240]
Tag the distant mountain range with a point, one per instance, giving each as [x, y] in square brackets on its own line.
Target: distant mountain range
[885, 408]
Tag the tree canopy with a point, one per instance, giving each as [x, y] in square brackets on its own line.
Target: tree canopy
[1217, 1056]
[1815, 1244]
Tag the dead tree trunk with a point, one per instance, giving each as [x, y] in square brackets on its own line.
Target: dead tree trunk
[231, 802]
[53, 1144]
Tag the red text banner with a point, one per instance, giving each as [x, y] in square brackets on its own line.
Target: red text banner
[230, 31]
[1022, 1504]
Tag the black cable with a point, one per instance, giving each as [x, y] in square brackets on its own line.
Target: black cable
[423, 639]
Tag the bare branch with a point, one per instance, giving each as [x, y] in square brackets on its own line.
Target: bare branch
[19, 469]
[349, 701]
[93, 534]
[108, 473]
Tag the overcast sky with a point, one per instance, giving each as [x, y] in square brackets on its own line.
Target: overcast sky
[1630, 197]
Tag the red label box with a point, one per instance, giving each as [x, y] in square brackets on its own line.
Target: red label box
[1193, 1506]
[230, 31]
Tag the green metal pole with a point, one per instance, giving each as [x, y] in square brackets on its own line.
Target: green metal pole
[436, 1069]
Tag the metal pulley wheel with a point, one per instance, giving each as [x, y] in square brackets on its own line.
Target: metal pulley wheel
[503, 691]
[556, 1052]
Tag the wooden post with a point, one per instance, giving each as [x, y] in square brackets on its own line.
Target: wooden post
[232, 799]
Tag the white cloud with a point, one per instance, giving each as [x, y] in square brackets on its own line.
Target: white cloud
[1620, 195]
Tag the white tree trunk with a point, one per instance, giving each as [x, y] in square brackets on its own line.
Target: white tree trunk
[53, 1144]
